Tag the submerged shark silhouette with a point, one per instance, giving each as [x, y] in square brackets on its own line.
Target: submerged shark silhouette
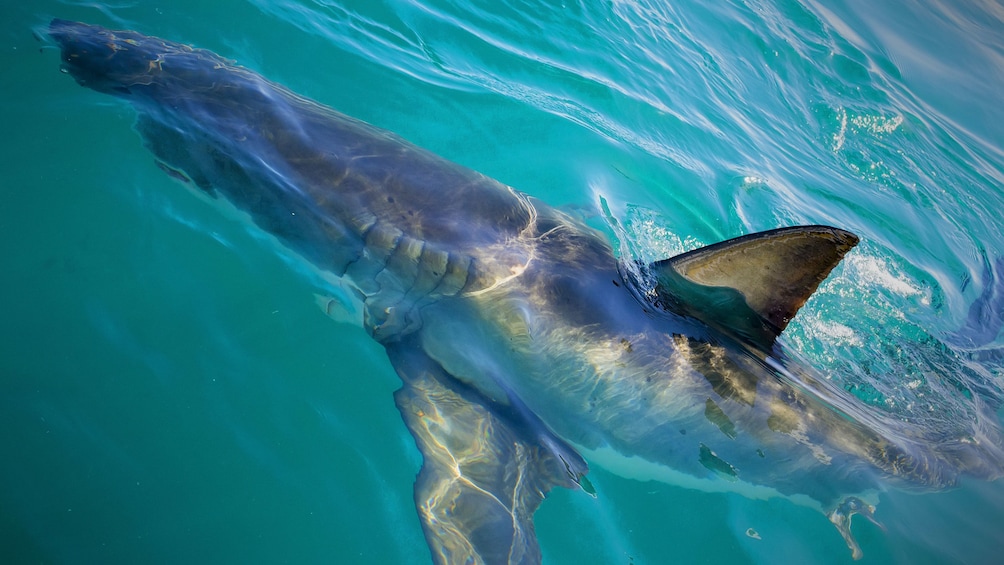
[525, 347]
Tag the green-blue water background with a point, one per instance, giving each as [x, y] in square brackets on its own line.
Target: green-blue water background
[169, 391]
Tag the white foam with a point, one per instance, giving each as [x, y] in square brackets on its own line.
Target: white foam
[874, 271]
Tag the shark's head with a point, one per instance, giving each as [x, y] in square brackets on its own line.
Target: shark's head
[191, 102]
[104, 60]
[129, 64]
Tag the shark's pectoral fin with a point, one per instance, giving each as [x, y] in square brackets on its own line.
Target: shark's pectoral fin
[173, 154]
[486, 468]
[753, 285]
[841, 518]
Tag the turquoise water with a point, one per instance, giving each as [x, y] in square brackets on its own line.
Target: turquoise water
[170, 392]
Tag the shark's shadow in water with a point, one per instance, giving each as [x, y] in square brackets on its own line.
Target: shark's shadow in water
[524, 346]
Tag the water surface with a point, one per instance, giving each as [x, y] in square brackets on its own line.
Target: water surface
[169, 390]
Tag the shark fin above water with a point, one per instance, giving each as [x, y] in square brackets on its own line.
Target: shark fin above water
[753, 285]
[487, 467]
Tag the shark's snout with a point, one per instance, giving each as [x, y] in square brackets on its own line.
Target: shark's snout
[82, 47]
[65, 32]
[101, 59]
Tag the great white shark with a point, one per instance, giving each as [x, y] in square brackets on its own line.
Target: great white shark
[525, 346]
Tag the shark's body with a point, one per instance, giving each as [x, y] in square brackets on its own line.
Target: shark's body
[521, 340]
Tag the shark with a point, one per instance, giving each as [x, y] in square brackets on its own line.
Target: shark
[527, 349]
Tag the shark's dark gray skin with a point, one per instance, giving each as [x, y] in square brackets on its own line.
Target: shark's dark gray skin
[525, 346]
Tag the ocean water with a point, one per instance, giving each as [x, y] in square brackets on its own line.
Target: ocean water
[170, 391]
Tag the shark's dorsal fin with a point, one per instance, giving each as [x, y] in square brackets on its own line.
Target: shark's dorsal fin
[753, 285]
